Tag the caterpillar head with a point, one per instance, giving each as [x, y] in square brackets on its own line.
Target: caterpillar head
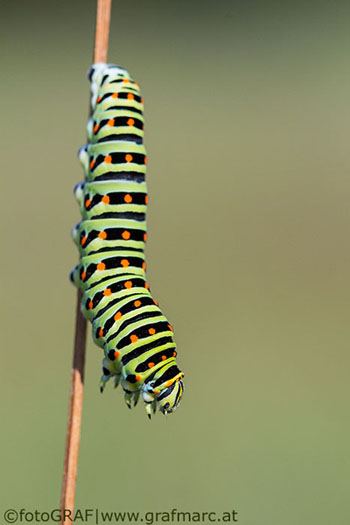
[167, 398]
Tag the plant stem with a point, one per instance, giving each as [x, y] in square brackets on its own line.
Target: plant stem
[77, 377]
[74, 415]
[102, 30]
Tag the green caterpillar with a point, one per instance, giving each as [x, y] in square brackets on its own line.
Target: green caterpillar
[127, 323]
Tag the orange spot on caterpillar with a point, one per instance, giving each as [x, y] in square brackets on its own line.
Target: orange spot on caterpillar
[83, 241]
[107, 292]
[137, 304]
[87, 203]
[125, 263]
[144, 266]
[102, 235]
[116, 354]
[170, 327]
[150, 365]
[151, 331]
[128, 157]
[115, 95]
[108, 159]
[174, 354]
[168, 383]
[125, 80]
[147, 286]
[95, 128]
[110, 122]
[156, 391]
[155, 302]
[126, 235]
[91, 305]
[117, 316]
[105, 199]
[100, 334]
[130, 122]
[145, 237]
[92, 164]
[83, 276]
[128, 284]
[134, 338]
[145, 160]
[131, 96]
[99, 99]
[101, 266]
[138, 378]
[128, 198]
[163, 357]
[146, 199]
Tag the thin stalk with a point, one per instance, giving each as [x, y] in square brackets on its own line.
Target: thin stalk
[77, 376]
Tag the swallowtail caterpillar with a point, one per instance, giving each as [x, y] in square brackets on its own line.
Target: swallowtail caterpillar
[136, 337]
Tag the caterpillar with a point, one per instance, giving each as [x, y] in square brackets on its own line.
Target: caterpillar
[137, 339]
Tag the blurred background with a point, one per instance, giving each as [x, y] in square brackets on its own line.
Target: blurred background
[247, 132]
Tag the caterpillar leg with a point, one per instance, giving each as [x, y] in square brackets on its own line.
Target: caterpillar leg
[150, 403]
[131, 393]
[136, 397]
[151, 408]
[131, 398]
[108, 370]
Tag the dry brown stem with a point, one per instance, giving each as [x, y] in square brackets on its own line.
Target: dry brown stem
[77, 377]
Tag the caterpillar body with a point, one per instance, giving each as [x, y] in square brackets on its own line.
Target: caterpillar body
[137, 339]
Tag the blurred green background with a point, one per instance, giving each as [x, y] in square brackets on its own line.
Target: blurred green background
[247, 132]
